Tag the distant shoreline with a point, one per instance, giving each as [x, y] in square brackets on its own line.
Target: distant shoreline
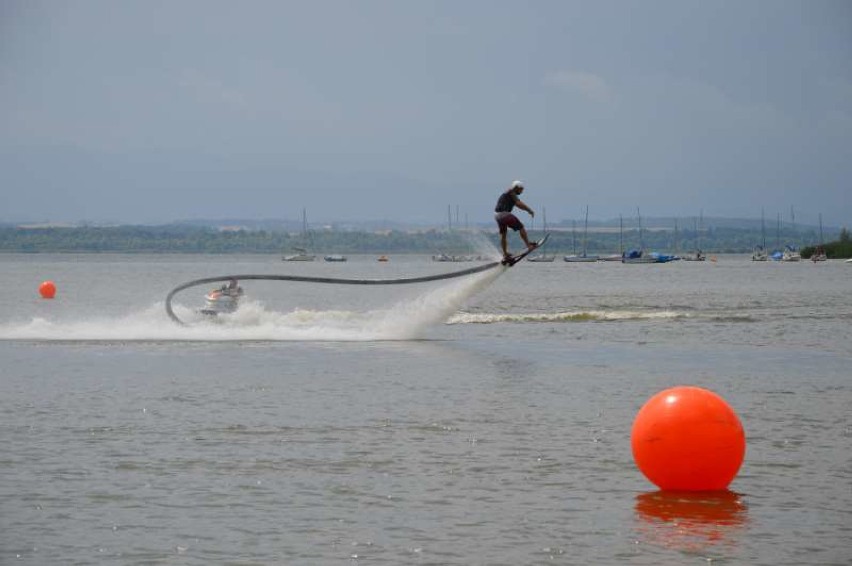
[187, 239]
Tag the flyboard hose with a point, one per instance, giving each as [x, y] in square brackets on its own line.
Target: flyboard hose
[332, 280]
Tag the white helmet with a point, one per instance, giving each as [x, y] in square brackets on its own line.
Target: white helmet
[517, 184]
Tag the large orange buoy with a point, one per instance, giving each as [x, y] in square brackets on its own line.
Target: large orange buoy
[688, 438]
[47, 290]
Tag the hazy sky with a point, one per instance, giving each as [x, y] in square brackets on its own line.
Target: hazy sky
[148, 111]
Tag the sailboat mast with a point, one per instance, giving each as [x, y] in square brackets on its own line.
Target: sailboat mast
[574, 236]
[676, 242]
[585, 230]
[792, 225]
[778, 233]
[695, 228]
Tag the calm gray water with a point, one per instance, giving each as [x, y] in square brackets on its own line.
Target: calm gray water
[479, 421]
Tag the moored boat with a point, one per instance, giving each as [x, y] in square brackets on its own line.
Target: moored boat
[300, 255]
[580, 258]
[790, 253]
[638, 256]
[583, 257]
[759, 253]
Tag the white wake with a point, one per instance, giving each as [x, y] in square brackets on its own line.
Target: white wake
[405, 320]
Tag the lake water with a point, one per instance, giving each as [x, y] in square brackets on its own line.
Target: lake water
[482, 420]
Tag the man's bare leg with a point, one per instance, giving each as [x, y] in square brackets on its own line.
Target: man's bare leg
[504, 244]
[530, 245]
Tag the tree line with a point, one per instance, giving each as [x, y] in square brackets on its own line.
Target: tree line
[194, 239]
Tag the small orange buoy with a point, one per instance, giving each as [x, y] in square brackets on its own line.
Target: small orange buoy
[47, 290]
[688, 439]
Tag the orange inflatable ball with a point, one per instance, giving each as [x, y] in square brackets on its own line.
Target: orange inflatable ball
[47, 290]
[688, 439]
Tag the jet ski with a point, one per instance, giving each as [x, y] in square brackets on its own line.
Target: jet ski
[224, 300]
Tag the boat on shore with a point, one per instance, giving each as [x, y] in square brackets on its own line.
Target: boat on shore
[335, 258]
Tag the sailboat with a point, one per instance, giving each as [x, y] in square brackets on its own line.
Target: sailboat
[618, 256]
[639, 256]
[441, 256]
[583, 257]
[819, 252]
[301, 253]
[698, 255]
[791, 252]
[760, 253]
[542, 257]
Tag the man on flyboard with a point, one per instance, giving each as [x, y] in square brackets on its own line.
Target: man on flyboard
[505, 219]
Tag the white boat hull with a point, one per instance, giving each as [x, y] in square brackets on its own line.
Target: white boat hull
[299, 257]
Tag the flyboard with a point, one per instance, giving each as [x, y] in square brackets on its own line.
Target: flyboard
[512, 260]
[340, 281]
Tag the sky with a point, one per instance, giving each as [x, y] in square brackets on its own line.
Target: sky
[155, 111]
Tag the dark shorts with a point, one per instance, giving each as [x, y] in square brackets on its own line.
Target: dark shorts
[509, 221]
